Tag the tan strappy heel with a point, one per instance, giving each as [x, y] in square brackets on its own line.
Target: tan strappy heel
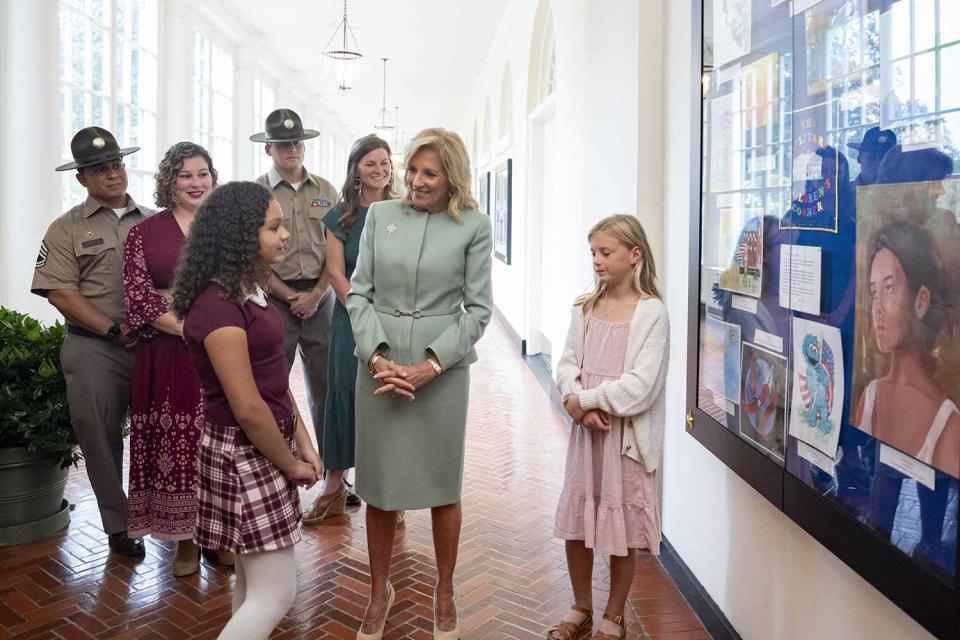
[325, 507]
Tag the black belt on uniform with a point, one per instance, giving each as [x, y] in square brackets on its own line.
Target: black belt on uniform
[302, 285]
[86, 333]
[417, 313]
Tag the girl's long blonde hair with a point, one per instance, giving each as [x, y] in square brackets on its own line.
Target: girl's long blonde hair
[629, 232]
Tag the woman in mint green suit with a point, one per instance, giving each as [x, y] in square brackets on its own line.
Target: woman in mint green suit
[420, 299]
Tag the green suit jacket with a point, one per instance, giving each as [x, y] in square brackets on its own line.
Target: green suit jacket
[421, 285]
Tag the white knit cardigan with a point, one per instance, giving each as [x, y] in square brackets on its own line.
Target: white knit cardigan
[637, 395]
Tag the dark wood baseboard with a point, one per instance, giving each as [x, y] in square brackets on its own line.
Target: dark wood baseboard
[713, 619]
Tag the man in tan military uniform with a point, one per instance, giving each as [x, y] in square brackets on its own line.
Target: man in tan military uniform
[79, 271]
[302, 291]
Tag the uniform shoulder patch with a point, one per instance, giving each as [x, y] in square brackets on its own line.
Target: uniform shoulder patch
[42, 256]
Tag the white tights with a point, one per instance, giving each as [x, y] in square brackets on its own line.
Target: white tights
[266, 585]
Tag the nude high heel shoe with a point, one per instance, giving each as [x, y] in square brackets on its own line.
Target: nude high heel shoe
[378, 634]
[453, 634]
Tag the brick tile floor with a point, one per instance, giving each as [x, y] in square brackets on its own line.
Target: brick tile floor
[511, 577]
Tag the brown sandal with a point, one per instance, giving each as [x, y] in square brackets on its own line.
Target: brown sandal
[569, 631]
[599, 635]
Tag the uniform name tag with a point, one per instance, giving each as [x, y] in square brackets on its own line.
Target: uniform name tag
[86, 244]
[321, 202]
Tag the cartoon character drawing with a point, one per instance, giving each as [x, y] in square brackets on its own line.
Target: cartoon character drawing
[817, 384]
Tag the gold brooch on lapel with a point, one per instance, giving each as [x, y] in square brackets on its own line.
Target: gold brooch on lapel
[391, 228]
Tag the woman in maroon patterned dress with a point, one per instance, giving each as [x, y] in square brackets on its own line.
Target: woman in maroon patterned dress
[166, 414]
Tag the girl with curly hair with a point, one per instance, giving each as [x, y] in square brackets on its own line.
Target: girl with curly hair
[255, 450]
[166, 415]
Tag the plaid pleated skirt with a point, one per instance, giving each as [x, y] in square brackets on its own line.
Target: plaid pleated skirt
[245, 503]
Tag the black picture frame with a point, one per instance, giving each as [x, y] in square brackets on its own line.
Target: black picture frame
[502, 211]
[483, 192]
[933, 603]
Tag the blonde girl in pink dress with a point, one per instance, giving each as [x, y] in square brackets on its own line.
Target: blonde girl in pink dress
[611, 378]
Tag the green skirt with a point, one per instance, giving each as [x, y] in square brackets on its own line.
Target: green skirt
[410, 454]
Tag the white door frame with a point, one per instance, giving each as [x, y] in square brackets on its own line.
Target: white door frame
[537, 166]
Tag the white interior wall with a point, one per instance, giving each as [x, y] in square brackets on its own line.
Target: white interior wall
[595, 113]
[29, 187]
[30, 190]
[770, 578]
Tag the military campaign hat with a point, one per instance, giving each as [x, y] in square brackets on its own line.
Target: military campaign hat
[93, 145]
[284, 125]
[876, 141]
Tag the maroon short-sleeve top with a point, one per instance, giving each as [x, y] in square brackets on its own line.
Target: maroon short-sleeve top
[264, 327]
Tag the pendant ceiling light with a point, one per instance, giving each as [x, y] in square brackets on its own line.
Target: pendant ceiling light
[343, 53]
[384, 123]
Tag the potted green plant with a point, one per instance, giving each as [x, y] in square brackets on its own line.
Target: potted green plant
[37, 443]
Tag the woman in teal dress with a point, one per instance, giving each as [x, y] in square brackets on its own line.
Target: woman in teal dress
[420, 299]
[369, 179]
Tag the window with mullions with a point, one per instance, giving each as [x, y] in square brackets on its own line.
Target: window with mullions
[853, 75]
[922, 65]
[213, 102]
[264, 101]
[108, 78]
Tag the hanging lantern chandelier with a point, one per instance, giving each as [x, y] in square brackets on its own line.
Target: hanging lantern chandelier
[345, 60]
[384, 123]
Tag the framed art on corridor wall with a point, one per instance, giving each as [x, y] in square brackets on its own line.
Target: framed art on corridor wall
[502, 205]
[825, 247]
[483, 192]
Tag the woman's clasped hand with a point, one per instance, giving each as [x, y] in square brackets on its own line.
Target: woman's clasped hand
[402, 380]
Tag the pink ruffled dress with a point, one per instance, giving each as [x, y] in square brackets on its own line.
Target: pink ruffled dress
[609, 500]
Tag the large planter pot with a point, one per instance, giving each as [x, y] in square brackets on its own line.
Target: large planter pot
[31, 496]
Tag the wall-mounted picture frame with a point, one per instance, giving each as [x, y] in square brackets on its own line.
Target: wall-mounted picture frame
[502, 211]
[483, 192]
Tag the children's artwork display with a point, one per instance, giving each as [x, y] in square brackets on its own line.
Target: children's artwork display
[816, 171]
[733, 34]
[744, 272]
[722, 358]
[828, 239]
[818, 385]
[761, 91]
[907, 373]
[725, 131]
[763, 398]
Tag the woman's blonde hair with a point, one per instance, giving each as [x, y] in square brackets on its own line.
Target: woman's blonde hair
[454, 162]
[629, 232]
